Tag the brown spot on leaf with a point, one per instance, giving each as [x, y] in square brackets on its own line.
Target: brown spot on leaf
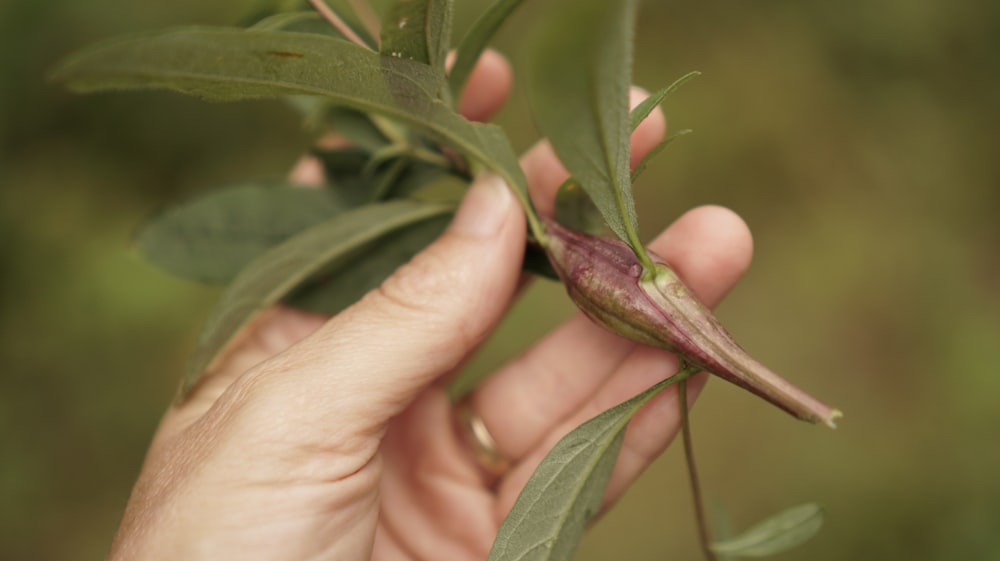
[286, 54]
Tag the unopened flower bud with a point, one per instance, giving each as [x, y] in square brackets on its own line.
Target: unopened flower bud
[608, 282]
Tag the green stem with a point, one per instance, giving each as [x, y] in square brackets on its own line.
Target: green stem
[699, 503]
[384, 186]
[638, 248]
[390, 129]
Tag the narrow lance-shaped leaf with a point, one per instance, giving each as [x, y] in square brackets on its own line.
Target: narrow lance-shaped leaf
[574, 207]
[580, 84]
[549, 517]
[778, 533]
[277, 273]
[210, 238]
[641, 111]
[475, 42]
[230, 64]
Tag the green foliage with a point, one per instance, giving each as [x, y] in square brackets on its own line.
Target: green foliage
[316, 253]
[210, 239]
[418, 30]
[567, 489]
[777, 534]
[646, 106]
[322, 249]
[330, 292]
[228, 64]
[475, 42]
[574, 207]
[579, 89]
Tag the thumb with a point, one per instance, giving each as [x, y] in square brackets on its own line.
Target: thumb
[367, 363]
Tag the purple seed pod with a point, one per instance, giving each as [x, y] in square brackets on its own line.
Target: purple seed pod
[608, 282]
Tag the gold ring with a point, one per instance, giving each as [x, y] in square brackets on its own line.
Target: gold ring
[480, 442]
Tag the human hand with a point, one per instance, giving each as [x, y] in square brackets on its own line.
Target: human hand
[334, 439]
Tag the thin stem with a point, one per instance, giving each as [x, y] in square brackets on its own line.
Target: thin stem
[699, 503]
[333, 19]
[368, 19]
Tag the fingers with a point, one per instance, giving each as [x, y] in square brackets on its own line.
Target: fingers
[710, 248]
[487, 87]
[545, 174]
[270, 333]
[372, 359]
[581, 370]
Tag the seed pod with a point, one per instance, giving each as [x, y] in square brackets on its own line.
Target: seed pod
[608, 282]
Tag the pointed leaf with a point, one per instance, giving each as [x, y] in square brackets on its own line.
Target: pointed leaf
[229, 64]
[418, 30]
[333, 292]
[210, 238]
[549, 517]
[778, 533]
[641, 111]
[574, 208]
[580, 84]
[278, 272]
[475, 42]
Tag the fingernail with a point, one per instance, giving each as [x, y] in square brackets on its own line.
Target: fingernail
[484, 209]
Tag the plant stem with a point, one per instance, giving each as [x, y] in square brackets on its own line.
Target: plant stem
[699, 503]
[333, 19]
[368, 18]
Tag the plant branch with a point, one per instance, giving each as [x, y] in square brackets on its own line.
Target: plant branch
[339, 24]
[699, 503]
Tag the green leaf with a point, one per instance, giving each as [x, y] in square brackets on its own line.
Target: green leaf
[228, 64]
[277, 273]
[641, 111]
[330, 293]
[342, 162]
[641, 166]
[575, 209]
[550, 515]
[429, 183]
[580, 87]
[475, 42]
[357, 128]
[212, 237]
[418, 30]
[778, 533]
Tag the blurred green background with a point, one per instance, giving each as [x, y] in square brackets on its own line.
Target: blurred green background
[858, 140]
